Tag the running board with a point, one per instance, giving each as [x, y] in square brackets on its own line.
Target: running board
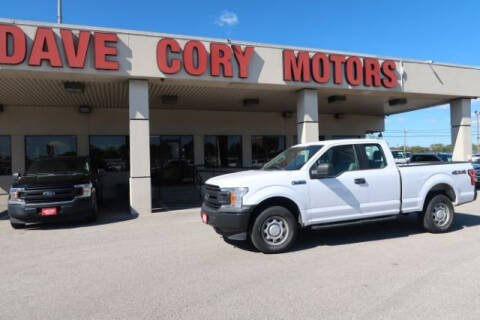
[353, 222]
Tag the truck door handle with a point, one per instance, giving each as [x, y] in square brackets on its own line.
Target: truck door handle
[360, 181]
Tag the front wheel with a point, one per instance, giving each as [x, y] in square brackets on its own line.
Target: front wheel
[274, 230]
[438, 214]
[94, 213]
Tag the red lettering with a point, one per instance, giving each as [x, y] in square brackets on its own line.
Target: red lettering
[102, 51]
[371, 72]
[220, 54]
[243, 59]
[388, 70]
[164, 46]
[320, 68]
[300, 66]
[188, 58]
[337, 67]
[75, 58]
[45, 48]
[354, 71]
[19, 45]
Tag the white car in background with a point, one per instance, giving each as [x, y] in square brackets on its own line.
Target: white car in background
[476, 157]
[400, 156]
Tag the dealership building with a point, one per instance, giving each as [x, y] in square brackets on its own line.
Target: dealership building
[160, 113]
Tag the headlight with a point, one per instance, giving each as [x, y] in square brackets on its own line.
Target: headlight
[83, 190]
[15, 194]
[233, 198]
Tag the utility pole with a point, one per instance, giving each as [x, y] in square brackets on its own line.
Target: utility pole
[404, 140]
[59, 11]
[478, 144]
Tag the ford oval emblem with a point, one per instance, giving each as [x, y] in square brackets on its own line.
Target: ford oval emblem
[49, 193]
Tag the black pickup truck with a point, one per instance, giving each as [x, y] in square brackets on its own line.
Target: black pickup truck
[53, 189]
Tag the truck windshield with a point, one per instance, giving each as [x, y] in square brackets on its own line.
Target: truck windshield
[292, 159]
[58, 166]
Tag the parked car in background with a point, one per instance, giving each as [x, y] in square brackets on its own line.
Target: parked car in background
[430, 157]
[330, 184]
[53, 189]
[476, 157]
[400, 156]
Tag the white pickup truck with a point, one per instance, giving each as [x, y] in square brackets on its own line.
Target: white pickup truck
[332, 183]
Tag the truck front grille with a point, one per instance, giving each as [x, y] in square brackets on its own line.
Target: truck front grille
[210, 198]
[48, 194]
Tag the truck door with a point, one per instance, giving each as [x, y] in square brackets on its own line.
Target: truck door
[339, 196]
[382, 181]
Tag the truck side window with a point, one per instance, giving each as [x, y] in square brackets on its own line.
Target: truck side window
[342, 158]
[374, 156]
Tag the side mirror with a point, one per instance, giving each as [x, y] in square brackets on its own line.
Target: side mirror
[323, 170]
[16, 176]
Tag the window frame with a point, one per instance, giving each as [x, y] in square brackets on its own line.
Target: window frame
[363, 156]
[216, 141]
[46, 135]
[252, 139]
[355, 152]
[10, 152]
[127, 142]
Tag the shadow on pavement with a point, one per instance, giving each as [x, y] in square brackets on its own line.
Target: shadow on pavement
[403, 227]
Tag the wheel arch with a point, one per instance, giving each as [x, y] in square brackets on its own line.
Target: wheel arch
[281, 201]
[440, 188]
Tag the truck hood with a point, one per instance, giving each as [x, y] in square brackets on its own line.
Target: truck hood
[50, 180]
[246, 178]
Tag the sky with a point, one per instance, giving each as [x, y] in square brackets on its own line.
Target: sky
[443, 31]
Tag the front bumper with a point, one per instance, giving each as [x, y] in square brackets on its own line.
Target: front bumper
[227, 223]
[31, 212]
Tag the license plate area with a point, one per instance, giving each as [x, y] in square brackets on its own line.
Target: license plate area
[48, 211]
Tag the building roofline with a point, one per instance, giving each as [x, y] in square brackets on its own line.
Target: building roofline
[256, 44]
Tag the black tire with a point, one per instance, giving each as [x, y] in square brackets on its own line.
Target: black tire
[438, 215]
[268, 223]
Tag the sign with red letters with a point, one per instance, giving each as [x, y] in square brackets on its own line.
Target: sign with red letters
[220, 60]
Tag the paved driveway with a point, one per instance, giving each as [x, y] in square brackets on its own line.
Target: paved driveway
[170, 266]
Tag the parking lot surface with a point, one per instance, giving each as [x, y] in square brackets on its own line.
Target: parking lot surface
[170, 266]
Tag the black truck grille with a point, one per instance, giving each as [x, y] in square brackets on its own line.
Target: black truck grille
[48, 194]
[211, 196]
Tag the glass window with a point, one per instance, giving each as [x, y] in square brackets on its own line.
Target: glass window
[223, 151]
[5, 156]
[40, 147]
[374, 156]
[292, 159]
[265, 148]
[171, 159]
[424, 158]
[342, 158]
[59, 166]
[110, 152]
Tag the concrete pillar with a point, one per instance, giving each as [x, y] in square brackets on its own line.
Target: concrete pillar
[199, 150]
[246, 151]
[18, 153]
[83, 145]
[307, 116]
[140, 181]
[460, 119]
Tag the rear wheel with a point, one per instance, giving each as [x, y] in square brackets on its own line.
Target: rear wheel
[274, 230]
[438, 214]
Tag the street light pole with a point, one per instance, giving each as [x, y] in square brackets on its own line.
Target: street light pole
[59, 11]
[404, 140]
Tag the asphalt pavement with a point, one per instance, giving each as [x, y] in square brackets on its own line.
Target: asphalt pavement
[171, 266]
